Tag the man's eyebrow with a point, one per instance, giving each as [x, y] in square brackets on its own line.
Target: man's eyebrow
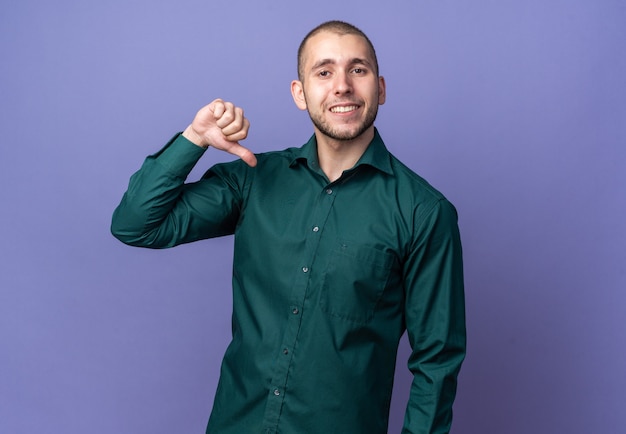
[322, 62]
[354, 61]
[359, 61]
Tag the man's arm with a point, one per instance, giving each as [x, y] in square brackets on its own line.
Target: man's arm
[160, 210]
[435, 319]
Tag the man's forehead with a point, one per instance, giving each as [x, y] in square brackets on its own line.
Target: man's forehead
[328, 44]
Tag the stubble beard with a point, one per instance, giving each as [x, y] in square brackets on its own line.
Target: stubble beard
[340, 135]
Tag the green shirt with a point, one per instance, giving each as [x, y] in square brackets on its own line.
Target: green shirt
[327, 276]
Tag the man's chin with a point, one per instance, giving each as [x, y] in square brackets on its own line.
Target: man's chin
[342, 132]
[345, 134]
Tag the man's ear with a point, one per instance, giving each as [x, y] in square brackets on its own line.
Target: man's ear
[297, 92]
[382, 90]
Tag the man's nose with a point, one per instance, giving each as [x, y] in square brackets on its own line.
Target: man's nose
[343, 84]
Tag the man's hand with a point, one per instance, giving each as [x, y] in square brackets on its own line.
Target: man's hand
[221, 125]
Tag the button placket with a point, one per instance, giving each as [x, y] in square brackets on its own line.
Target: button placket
[319, 214]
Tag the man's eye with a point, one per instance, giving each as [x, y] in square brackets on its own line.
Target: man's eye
[358, 70]
[324, 73]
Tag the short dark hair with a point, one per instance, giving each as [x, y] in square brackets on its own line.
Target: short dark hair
[339, 28]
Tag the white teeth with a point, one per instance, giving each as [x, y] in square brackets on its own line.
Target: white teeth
[343, 109]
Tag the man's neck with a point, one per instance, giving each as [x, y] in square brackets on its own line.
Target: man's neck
[337, 156]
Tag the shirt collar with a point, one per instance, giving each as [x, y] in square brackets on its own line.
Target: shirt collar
[376, 155]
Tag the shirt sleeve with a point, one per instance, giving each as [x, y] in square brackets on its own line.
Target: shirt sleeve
[160, 210]
[435, 320]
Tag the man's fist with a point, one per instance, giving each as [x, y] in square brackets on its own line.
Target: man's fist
[221, 125]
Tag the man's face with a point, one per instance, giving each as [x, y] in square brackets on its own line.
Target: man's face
[340, 87]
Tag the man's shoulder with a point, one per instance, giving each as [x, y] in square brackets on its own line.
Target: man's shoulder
[418, 197]
[279, 155]
[412, 183]
[264, 159]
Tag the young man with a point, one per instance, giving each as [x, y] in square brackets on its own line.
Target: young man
[339, 248]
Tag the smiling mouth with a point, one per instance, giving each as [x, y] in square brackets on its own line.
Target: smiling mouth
[344, 109]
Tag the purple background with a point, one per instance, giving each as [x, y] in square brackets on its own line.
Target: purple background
[515, 110]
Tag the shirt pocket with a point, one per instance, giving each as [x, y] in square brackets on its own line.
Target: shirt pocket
[354, 281]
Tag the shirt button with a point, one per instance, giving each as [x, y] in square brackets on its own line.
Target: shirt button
[285, 351]
[276, 392]
[316, 228]
[295, 311]
[305, 269]
[329, 191]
